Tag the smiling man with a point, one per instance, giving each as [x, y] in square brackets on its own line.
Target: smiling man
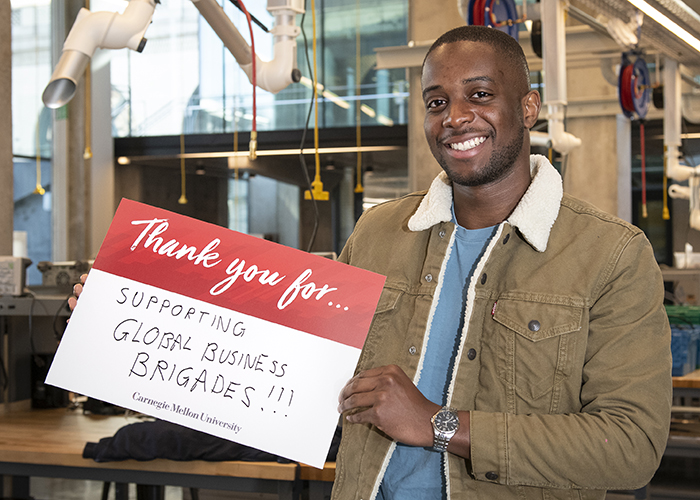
[520, 348]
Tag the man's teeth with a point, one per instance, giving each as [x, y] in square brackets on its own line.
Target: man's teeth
[464, 146]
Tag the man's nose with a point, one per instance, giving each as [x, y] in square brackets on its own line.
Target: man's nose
[458, 113]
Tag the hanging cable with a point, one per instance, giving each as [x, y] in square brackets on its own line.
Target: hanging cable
[87, 152]
[358, 100]
[317, 191]
[235, 167]
[252, 17]
[302, 159]
[644, 170]
[39, 189]
[253, 145]
[634, 92]
[183, 198]
[666, 215]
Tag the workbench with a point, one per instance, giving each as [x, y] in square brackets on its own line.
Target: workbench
[29, 329]
[50, 442]
[685, 388]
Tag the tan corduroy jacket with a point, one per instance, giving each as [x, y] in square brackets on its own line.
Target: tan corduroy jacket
[564, 361]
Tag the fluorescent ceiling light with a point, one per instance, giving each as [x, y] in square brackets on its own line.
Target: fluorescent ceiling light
[385, 120]
[664, 21]
[123, 160]
[339, 101]
[368, 111]
[335, 99]
[23, 4]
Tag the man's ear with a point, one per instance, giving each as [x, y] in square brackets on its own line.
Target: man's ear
[531, 108]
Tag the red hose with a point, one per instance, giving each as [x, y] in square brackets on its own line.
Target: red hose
[626, 88]
[644, 170]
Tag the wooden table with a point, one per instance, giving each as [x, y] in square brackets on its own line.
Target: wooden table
[690, 380]
[49, 443]
[687, 386]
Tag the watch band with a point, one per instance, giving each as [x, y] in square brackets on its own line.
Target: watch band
[440, 441]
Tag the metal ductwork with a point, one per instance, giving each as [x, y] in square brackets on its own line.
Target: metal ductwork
[655, 38]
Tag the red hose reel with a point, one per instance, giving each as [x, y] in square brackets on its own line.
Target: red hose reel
[634, 93]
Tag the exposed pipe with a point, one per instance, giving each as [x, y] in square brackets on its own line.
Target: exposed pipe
[554, 66]
[111, 30]
[672, 144]
[107, 30]
[273, 75]
[672, 123]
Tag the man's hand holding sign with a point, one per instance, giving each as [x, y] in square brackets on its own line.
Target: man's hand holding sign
[218, 331]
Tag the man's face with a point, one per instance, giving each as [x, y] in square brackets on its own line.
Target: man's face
[474, 112]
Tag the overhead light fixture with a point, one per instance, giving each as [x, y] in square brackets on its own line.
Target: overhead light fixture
[385, 120]
[667, 23]
[261, 152]
[23, 4]
[331, 96]
[343, 103]
[368, 111]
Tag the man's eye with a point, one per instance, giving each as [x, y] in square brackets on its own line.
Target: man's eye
[434, 103]
[481, 94]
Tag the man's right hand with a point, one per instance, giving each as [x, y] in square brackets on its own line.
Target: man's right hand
[77, 290]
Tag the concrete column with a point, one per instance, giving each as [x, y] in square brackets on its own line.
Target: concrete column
[592, 169]
[102, 199]
[78, 176]
[59, 160]
[624, 167]
[71, 171]
[426, 22]
[6, 167]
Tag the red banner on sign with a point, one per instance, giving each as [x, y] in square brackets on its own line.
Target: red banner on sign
[260, 278]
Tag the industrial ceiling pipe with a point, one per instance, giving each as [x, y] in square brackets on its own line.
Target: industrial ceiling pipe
[554, 74]
[106, 30]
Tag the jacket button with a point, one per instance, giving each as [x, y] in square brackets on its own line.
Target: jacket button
[442, 233]
[428, 278]
[491, 476]
[483, 279]
[534, 325]
[505, 240]
[471, 354]
[412, 350]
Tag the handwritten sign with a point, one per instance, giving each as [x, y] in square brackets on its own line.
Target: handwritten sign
[218, 331]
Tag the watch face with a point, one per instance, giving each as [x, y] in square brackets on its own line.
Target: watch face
[446, 421]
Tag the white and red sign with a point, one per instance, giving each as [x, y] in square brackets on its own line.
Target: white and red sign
[218, 331]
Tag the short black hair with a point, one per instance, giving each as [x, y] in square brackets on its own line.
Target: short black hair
[506, 46]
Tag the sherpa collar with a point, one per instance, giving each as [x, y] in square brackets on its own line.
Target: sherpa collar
[533, 216]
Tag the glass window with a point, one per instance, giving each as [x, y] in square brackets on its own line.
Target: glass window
[650, 218]
[31, 129]
[151, 90]
[186, 81]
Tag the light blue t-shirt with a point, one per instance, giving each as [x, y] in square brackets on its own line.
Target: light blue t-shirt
[415, 472]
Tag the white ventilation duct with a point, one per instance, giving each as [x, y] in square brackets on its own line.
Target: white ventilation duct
[554, 75]
[90, 31]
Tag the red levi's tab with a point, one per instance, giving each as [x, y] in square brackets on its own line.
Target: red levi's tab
[236, 271]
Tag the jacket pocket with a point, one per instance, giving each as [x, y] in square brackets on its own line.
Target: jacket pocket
[386, 307]
[536, 347]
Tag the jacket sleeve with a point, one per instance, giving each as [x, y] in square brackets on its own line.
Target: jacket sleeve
[618, 438]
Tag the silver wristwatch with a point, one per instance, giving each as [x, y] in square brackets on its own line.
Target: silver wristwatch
[445, 424]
